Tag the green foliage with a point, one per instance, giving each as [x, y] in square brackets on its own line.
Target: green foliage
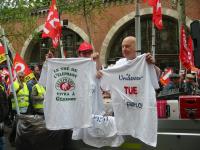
[13, 12]
[21, 9]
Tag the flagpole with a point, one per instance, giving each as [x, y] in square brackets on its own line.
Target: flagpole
[153, 45]
[61, 42]
[10, 72]
[137, 27]
[61, 48]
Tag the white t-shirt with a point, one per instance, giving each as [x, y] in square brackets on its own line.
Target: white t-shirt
[97, 99]
[132, 85]
[102, 133]
[43, 76]
[97, 105]
[69, 93]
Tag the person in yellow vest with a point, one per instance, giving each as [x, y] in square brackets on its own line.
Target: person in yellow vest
[37, 96]
[22, 93]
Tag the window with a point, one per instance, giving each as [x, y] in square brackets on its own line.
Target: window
[39, 47]
[167, 41]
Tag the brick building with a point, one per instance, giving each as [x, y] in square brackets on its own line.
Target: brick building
[110, 26]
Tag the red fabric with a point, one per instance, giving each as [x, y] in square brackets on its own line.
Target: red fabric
[2, 53]
[157, 15]
[191, 54]
[5, 73]
[52, 27]
[150, 2]
[183, 52]
[190, 51]
[20, 65]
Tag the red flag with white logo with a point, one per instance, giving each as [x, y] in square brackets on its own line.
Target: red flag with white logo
[2, 53]
[157, 15]
[52, 27]
[19, 65]
[5, 75]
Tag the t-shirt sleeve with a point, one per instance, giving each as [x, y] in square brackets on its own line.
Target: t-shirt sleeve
[153, 77]
[105, 81]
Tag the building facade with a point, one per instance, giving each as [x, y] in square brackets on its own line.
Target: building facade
[110, 26]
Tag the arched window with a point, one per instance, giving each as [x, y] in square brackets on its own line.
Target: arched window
[167, 41]
[39, 47]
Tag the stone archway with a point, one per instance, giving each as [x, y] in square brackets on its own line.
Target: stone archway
[71, 26]
[7, 41]
[113, 31]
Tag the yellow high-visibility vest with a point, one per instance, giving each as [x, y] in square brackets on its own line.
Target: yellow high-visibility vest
[41, 91]
[22, 96]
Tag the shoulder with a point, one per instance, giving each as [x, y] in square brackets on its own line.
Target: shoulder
[121, 61]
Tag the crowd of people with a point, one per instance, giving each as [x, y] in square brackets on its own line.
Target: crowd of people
[186, 83]
[30, 95]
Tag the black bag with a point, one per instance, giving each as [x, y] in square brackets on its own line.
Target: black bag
[4, 105]
[31, 134]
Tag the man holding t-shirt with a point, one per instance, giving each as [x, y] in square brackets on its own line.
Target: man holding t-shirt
[132, 82]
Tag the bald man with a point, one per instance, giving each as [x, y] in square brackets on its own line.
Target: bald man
[129, 53]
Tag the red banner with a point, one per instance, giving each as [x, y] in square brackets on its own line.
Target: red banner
[157, 14]
[52, 27]
[183, 53]
[186, 51]
[2, 53]
[20, 65]
[191, 54]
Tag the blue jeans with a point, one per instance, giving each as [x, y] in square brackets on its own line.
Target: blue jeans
[2, 143]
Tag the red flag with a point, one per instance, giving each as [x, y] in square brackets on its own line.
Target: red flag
[190, 51]
[52, 27]
[5, 73]
[2, 53]
[164, 79]
[183, 52]
[151, 2]
[157, 15]
[6, 77]
[191, 54]
[20, 65]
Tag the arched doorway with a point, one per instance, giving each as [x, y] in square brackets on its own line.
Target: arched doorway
[35, 47]
[167, 41]
[38, 47]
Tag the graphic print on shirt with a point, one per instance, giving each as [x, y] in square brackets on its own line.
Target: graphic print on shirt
[132, 86]
[131, 89]
[65, 83]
